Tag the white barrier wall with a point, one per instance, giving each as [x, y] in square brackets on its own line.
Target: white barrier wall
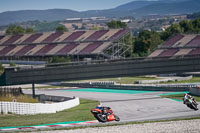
[195, 91]
[36, 108]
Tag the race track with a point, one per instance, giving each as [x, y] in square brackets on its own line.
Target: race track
[131, 107]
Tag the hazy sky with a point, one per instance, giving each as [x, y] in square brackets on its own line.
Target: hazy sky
[78, 5]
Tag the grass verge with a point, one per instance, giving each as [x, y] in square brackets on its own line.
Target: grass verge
[123, 80]
[20, 98]
[79, 113]
[131, 80]
[178, 96]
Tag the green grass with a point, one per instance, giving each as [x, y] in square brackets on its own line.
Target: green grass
[79, 113]
[20, 98]
[45, 87]
[123, 80]
[178, 96]
[193, 80]
[131, 80]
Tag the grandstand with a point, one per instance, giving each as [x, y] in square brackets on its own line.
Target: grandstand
[180, 45]
[82, 44]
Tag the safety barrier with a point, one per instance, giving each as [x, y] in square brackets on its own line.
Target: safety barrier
[195, 91]
[36, 108]
[144, 87]
[13, 91]
[163, 80]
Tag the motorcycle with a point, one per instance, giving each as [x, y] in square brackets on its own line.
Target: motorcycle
[191, 104]
[104, 116]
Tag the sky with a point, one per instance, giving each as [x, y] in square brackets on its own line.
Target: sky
[77, 5]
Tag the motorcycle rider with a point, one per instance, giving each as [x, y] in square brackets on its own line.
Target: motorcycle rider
[187, 97]
[103, 109]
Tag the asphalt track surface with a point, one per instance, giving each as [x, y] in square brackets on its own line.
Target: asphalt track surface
[131, 106]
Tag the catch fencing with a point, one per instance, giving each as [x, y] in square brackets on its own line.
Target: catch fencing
[13, 91]
[36, 108]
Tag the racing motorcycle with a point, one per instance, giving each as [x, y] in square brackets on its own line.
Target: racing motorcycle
[104, 115]
[191, 104]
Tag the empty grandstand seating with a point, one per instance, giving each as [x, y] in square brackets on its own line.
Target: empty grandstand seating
[32, 38]
[24, 37]
[67, 48]
[182, 42]
[195, 41]
[59, 43]
[13, 51]
[85, 35]
[7, 49]
[78, 48]
[1, 37]
[34, 50]
[12, 39]
[52, 37]
[182, 52]
[172, 40]
[91, 47]
[168, 52]
[95, 36]
[156, 53]
[24, 50]
[56, 49]
[74, 36]
[195, 52]
[179, 45]
[108, 34]
[45, 49]
[118, 34]
[2, 47]
[63, 36]
[101, 47]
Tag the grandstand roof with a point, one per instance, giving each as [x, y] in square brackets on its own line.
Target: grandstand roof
[179, 45]
[59, 43]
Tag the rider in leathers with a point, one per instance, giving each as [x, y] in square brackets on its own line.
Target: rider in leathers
[187, 97]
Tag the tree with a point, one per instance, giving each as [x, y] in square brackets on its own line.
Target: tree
[196, 25]
[29, 30]
[146, 42]
[116, 24]
[57, 59]
[173, 29]
[12, 64]
[13, 29]
[95, 28]
[61, 28]
[186, 26]
[1, 68]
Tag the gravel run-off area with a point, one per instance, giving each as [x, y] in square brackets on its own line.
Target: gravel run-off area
[184, 126]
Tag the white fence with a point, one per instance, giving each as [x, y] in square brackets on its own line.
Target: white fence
[163, 80]
[36, 108]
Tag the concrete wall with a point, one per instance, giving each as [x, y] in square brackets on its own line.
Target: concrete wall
[36, 108]
[103, 70]
[195, 91]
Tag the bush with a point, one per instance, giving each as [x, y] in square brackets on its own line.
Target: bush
[57, 59]
[1, 68]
